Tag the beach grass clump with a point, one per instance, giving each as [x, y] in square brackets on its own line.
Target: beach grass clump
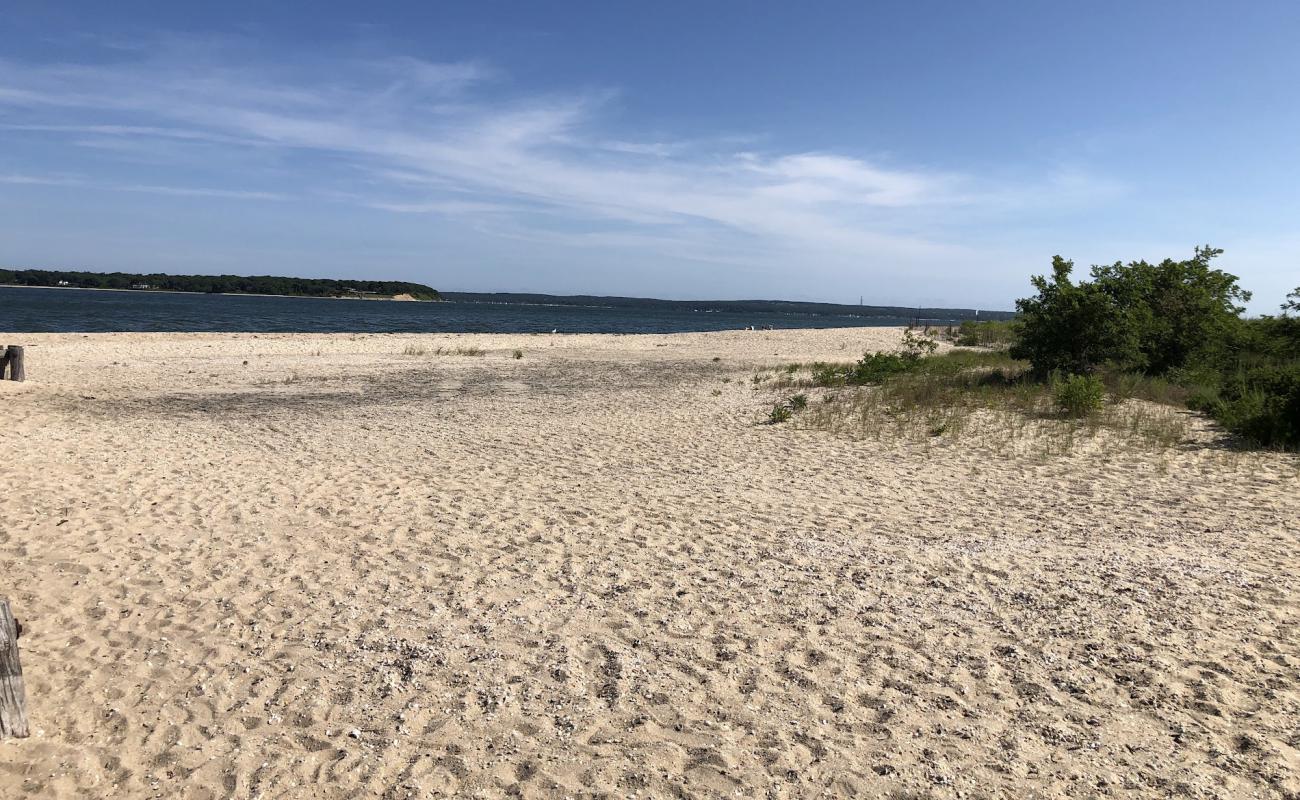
[1158, 426]
[415, 350]
[517, 354]
[785, 410]
[1078, 396]
[1122, 386]
[781, 412]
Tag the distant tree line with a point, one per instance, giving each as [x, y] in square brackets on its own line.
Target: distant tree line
[922, 314]
[217, 284]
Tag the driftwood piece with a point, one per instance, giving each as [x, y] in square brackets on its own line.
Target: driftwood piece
[14, 357]
[13, 697]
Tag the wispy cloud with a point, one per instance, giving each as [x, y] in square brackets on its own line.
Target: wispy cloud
[412, 136]
[173, 191]
[191, 191]
[40, 180]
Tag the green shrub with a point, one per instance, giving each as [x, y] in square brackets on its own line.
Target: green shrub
[1079, 395]
[798, 402]
[1137, 316]
[780, 413]
[876, 367]
[830, 374]
[1262, 405]
[915, 347]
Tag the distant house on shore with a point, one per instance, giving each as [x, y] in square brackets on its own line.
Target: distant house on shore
[143, 286]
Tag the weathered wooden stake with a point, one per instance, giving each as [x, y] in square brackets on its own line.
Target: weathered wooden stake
[14, 355]
[13, 698]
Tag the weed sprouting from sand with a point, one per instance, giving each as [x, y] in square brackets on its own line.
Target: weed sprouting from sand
[780, 412]
[517, 354]
[785, 410]
[415, 350]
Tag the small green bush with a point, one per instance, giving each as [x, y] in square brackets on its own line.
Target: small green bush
[915, 347]
[1080, 395]
[780, 413]
[829, 374]
[518, 354]
[799, 402]
[876, 367]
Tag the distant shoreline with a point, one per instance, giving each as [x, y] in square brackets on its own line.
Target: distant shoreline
[393, 298]
[800, 307]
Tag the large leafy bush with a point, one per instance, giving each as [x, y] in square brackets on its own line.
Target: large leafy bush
[1137, 316]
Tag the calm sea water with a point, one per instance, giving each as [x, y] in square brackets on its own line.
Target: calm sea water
[72, 310]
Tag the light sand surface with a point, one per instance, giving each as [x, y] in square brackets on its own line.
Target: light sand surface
[340, 571]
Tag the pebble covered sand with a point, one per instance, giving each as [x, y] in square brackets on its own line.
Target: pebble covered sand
[339, 566]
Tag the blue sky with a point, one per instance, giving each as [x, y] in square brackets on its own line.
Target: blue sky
[911, 152]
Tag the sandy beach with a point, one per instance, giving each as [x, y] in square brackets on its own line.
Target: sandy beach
[341, 566]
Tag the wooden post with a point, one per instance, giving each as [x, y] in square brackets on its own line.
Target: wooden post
[14, 355]
[13, 698]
